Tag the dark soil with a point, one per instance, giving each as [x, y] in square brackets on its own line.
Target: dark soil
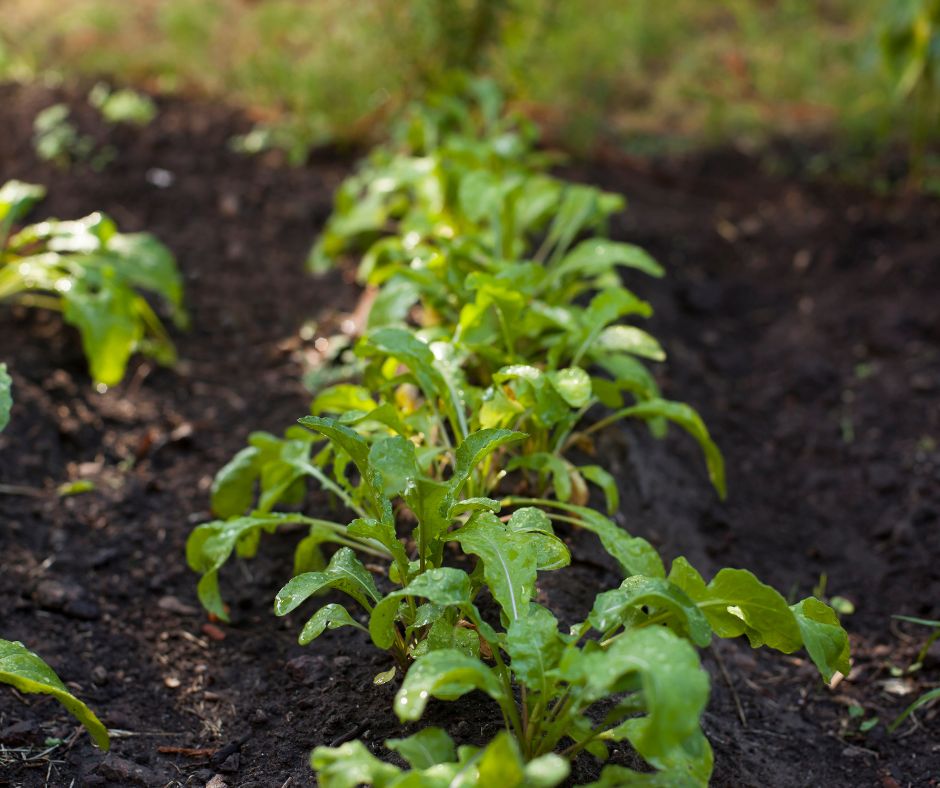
[803, 320]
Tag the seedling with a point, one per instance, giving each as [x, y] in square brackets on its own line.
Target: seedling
[26, 672]
[56, 139]
[933, 694]
[92, 274]
[123, 105]
[567, 694]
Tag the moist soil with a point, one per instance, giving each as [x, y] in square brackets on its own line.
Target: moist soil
[801, 318]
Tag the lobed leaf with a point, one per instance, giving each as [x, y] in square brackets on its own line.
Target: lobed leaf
[509, 566]
[345, 573]
[445, 674]
[662, 600]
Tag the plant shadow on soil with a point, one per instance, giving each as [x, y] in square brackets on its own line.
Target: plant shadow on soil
[803, 320]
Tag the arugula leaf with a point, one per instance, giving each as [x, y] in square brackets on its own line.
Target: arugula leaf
[345, 572]
[26, 672]
[443, 586]
[826, 641]
[426, 748]
[446, 674]
[674, 686]
[232, 490]
[737, 603]
[16, 200]
[509, 566]
[535, 647]
[662, 600]
[351, 765]
[332, 616]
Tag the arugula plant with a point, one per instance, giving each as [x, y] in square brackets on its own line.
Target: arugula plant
[462, 177]
[421, 391]
[93, 275]
[568, 693]
[437, 512]
[435, 760]
[56, 139]
[26, 672]
[123, 105]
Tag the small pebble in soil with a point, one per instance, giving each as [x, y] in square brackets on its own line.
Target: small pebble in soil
[307, 669]
[66, 597]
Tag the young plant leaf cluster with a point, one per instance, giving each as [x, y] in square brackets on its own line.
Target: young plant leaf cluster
[495, 340]
[93, 275]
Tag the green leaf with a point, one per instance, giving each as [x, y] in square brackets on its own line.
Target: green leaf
[475, 448]
[534, 646]
[211, 544]
[674, 686]
[614, 776]
[383, 532]
[428, 747]
[664, 601]
[501, 763]
[393, 465]
[545, 462]
[823, 635]
[345, 573]
[573, 384]
[17, 199]
[233, 488]
[351, 765]
[145, 262]
[109, 324]
[598, 255]
[445, 674]
[342, 398]
[343, 437]
[635, 555]
[546, 771]
[573, 214]
[393, 302]
[478, 504]
[681, 414]
[332, 616]
[529, 519]
[509, 567]
[923, 700]
[6, 398]
[550, 551]
[607, 483]
[737, 603]
[443, 586]
[630, 339]
[410, 351]
[26, 672]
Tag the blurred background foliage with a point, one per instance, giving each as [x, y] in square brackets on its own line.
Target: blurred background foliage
[650, 75]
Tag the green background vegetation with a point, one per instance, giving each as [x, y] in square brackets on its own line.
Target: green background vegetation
[651, 74]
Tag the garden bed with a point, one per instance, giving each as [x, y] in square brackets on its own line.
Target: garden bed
[801, 319]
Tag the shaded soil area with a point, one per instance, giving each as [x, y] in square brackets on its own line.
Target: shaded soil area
[803, 320]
